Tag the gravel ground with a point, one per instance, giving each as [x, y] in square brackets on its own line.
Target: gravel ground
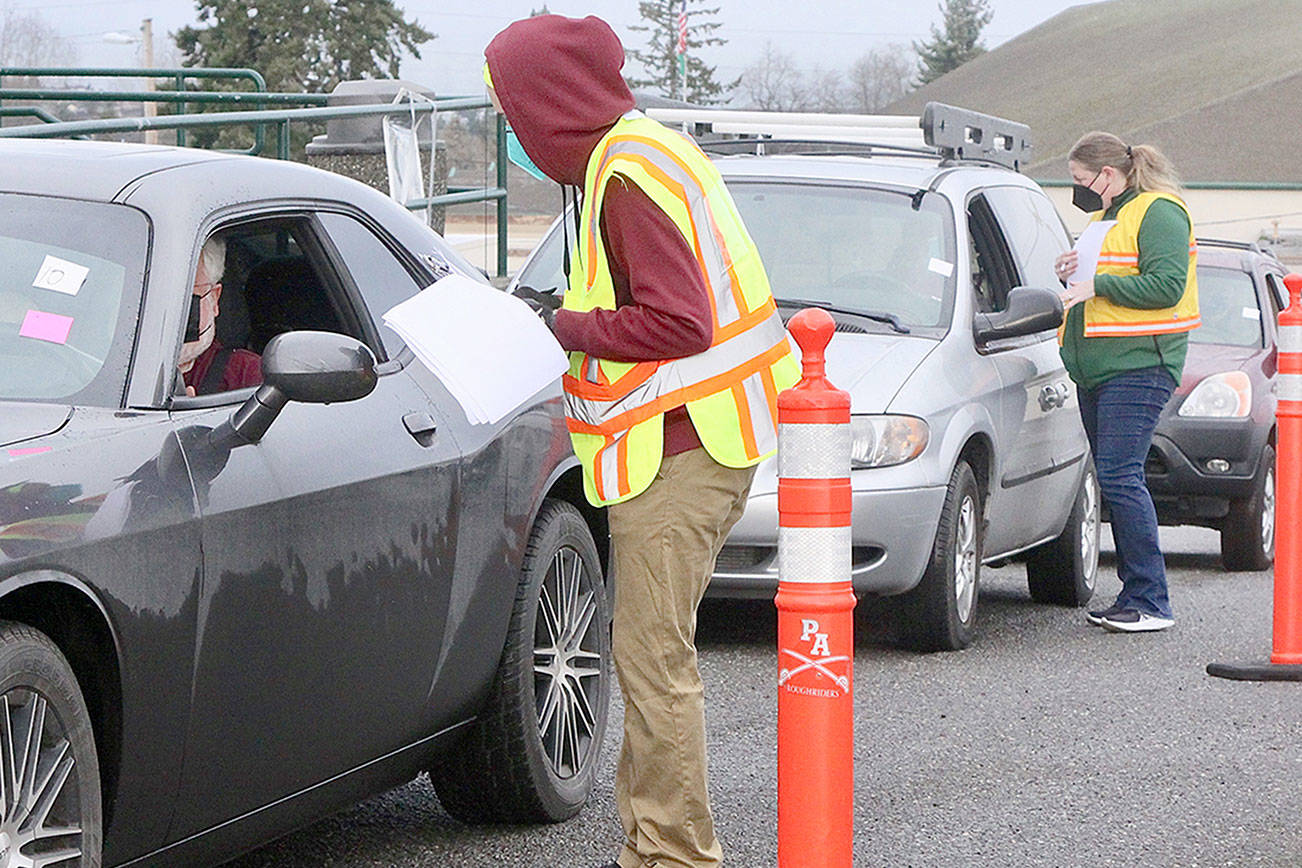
[1048, 742]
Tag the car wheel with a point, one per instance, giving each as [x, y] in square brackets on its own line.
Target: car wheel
[532, 753]
[1248, 534]
[1064, 570]
[49, 771]
[939, 614]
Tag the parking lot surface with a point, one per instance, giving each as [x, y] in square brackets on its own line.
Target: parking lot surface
[1048, 742]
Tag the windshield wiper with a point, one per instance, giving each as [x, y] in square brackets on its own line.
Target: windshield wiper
[876, 315]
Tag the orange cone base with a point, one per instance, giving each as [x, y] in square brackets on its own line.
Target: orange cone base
[1256, 671]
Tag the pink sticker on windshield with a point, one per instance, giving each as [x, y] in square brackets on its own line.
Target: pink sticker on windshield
[46, 326]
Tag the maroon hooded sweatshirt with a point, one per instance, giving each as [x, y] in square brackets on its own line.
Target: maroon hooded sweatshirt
[558, 81]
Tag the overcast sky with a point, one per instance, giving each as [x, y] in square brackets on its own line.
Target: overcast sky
[827, 33]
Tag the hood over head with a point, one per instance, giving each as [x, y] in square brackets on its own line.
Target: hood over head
[558, 81]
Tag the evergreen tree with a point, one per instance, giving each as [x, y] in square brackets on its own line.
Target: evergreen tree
[659, 58]
[302, 45]
[960, 41]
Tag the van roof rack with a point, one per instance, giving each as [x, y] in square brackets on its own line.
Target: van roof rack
[946, 131]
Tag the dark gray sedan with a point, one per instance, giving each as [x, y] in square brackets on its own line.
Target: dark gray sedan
[226, 609]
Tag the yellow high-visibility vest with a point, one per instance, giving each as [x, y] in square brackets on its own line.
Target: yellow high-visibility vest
[615, 410]
[1120, 255]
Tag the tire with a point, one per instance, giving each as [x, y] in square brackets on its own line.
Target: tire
[42, 712]
[1248, 534]
[939, 614]
[531, 755]
[1064, 571]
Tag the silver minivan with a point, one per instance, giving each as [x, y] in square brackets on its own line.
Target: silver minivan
[937, 267]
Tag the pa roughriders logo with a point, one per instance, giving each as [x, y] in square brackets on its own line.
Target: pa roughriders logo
[820, 667]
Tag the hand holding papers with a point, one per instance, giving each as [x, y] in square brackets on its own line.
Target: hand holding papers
[489, 348]
[1080, 282]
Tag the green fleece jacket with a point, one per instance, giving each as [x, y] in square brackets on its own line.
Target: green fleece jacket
[1163, 267]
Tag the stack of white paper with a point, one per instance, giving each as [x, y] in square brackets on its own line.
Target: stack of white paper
[489, 348]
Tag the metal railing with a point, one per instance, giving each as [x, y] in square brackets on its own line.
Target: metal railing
[280, 119]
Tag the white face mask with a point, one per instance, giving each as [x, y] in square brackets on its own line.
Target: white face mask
[192, 350]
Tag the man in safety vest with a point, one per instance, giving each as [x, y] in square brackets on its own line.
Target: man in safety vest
[677, 355]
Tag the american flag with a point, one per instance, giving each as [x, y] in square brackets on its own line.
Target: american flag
[682, 28]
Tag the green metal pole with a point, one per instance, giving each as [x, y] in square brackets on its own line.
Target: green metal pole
[283, 150]
[501, 203]
[181, 109]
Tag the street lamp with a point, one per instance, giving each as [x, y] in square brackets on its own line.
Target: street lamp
[146, 40]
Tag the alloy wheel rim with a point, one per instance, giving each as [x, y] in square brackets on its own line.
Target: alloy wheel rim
[40, 804]
[965, 565]
[1089, 534]
[567, 663]
[1268, 512]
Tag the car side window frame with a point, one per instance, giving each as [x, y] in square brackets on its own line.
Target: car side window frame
[311, 240]
[990, 251]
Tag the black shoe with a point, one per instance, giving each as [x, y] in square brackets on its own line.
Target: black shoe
[1134, 621]
[1096, 616]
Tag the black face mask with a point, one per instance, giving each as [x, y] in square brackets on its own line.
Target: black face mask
[1086, 199]
[192, 321]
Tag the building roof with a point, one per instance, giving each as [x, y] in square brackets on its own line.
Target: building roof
[1216, 86]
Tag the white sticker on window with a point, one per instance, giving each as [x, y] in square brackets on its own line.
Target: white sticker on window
[941, 267]
[1251, 313]
[60, 275]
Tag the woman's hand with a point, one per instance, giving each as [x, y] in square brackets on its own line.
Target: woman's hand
[1075, 293]
[1065, 265]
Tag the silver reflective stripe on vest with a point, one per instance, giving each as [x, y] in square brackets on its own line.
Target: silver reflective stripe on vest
[762, 421]
[716, 270]
[684, 373]
[608, 458]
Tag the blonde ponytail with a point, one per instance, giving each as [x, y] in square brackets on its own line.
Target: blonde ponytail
[1145, 167]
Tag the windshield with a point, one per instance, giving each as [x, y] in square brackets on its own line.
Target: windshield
[1227, 303]
[69, 292]
[854, 248]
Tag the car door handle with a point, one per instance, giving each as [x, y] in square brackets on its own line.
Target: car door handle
[421, 426]
[1049, 398]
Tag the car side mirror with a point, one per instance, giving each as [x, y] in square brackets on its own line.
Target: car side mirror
[304, 366]
[1029, 310]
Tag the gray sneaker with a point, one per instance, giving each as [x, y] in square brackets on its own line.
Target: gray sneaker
[1134, 621]
[1096, 616]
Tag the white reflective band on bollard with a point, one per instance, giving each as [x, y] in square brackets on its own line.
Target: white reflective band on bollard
[814, 554]
[1288, 387]
[814, 451]
[1290, 339]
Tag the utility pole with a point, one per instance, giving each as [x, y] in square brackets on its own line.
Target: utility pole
[147, 49]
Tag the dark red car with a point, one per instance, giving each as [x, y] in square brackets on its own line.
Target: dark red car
[1212, 462]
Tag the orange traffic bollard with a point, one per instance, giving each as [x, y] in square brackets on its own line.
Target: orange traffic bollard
[815, 613]
[1286, 655]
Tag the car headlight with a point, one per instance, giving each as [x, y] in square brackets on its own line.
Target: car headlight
[880, 441]
[1226, 394]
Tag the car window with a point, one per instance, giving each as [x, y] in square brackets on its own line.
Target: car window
[276, 277]
[1227, 302]
[1034, 232]
[854, 247]
[994, 273]
[1278, 294]
[69, 298]
[546, 268]
[380, 277]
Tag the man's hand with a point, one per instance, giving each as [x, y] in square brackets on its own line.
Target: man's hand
[545, 304]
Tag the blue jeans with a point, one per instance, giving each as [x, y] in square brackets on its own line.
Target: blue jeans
[1119, 418]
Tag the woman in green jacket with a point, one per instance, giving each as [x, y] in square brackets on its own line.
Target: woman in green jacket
[1124, 339]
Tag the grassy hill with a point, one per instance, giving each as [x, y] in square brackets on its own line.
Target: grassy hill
[1217, 84]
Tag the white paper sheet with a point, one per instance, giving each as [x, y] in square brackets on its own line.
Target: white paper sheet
[1087, 248]
[60, 275]
[489, 348]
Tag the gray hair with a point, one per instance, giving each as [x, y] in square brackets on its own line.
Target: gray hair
[213, 257]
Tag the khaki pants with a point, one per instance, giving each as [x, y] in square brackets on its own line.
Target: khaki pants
[665, 542]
